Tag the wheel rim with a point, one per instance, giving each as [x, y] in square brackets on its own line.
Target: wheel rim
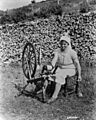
[29, 61]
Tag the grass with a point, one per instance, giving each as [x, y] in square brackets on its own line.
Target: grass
[24, 107]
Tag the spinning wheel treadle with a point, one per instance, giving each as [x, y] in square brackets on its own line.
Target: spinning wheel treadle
[29, 61]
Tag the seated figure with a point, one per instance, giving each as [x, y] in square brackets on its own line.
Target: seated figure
[68, 64]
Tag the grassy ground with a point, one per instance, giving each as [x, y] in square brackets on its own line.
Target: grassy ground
[27, 108]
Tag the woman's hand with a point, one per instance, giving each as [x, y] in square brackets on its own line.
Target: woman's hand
[49, 67]
[79, 78]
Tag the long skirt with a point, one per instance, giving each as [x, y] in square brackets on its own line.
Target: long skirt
[62, 73]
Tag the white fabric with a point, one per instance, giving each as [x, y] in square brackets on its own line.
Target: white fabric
[64, 58]
[65, 38]
[61, 74]
[65, 62]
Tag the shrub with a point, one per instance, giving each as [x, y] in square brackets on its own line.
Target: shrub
[46, 12]
[18, 16]
[84, 7]
[57, 10]
[5, 19]
[92, 2]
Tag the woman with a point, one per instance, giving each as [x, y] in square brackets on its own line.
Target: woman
[66, 59]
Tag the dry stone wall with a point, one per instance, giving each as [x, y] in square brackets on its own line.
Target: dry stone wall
[47, 32]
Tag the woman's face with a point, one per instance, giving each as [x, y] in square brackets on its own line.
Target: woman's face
[63, 45]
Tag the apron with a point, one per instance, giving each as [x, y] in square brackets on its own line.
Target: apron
[62, 73]
[66, 67]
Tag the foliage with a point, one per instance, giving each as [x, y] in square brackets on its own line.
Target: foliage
[42, 10]
[16, 17]
[21, 14]
[5, 19]
[48, 31]
[46, 12]
[92, 2]
[84, 7]
[1, 13]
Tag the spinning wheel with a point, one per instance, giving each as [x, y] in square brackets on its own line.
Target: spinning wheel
[40, 84]
[29, 61]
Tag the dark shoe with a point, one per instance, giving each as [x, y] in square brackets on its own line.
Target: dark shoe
[52, 99]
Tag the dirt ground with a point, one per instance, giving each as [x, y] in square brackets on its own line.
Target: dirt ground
[27, 108]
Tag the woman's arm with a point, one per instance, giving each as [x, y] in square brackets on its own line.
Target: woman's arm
[55, 59]
[78, 67]
[77, 64]
[53, 62]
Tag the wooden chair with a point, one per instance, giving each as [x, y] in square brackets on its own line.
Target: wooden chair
[71, 85]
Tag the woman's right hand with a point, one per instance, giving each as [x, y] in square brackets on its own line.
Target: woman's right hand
[49, 67]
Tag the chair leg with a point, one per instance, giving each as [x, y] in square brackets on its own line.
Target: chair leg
[76, 88]
[65, 88]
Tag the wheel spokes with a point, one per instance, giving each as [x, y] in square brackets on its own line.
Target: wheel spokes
[29, 61]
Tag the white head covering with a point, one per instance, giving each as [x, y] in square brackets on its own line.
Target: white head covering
[66, 38]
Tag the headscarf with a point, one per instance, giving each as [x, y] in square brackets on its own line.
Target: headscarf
[67, 39]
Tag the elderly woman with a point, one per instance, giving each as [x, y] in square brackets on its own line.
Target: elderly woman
[66, 59]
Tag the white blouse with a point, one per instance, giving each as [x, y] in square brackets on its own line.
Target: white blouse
[65, 58]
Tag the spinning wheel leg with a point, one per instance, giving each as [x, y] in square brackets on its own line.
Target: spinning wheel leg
[44, 90]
